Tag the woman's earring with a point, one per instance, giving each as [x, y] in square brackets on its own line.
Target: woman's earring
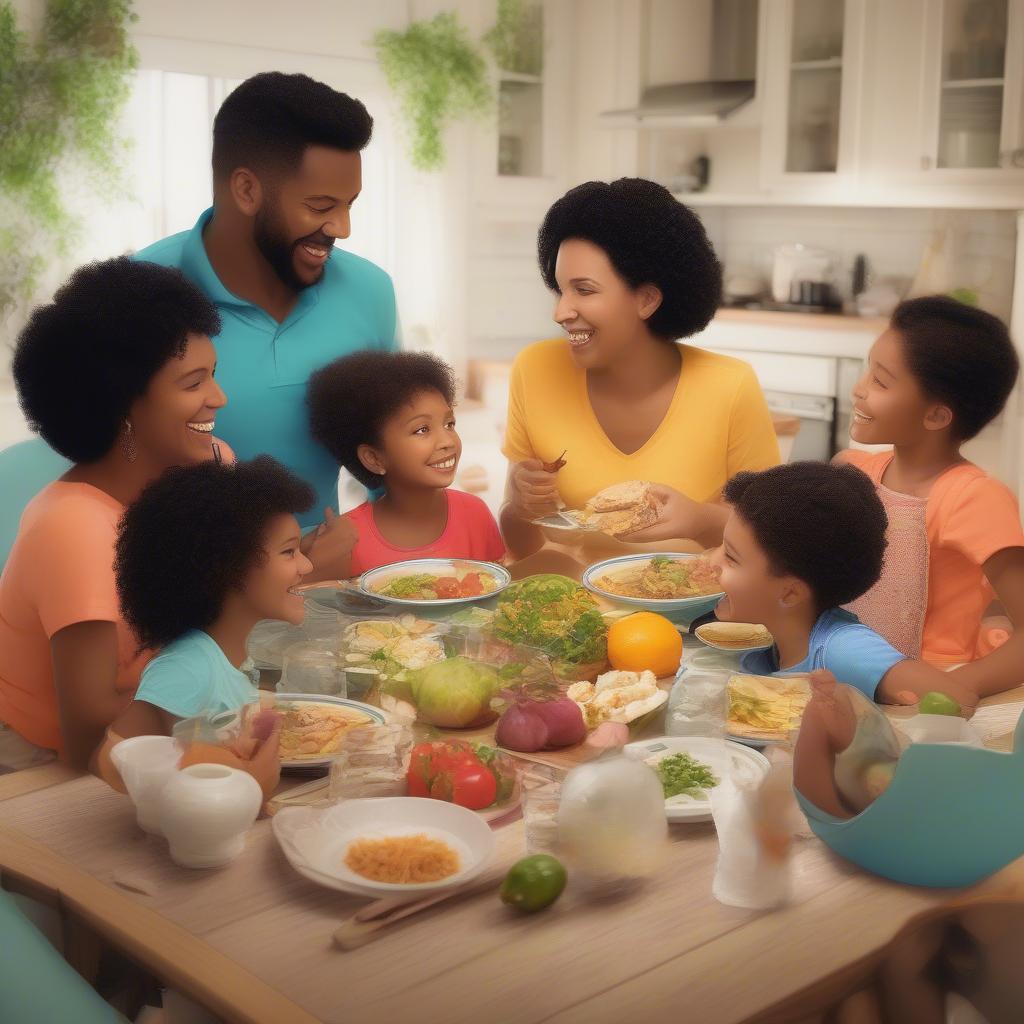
[128, 442]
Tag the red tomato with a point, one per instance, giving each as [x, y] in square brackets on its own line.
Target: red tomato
[421, 771]
[473, 787]
[468, 785]
[472, 585]
[446, 586]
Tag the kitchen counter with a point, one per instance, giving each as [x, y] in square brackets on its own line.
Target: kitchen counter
[832, 335]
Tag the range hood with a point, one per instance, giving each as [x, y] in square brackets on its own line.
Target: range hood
[729, 82]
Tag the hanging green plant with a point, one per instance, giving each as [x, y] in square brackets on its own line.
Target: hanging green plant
[517, 39]
[439, 75]
[60, 99]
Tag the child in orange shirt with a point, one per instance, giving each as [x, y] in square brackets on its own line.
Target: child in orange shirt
[934, 379]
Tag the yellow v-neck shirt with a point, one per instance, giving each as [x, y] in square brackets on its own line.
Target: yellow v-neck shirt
[717, 425]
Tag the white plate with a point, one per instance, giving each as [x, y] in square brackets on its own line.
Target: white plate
[315, 841]
[725, 758]
[435, 567]
[310, 763]
[727, 649]
[681, 608]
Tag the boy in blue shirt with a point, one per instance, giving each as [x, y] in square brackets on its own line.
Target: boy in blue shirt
[801, 540]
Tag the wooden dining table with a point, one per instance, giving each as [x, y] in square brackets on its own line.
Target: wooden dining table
[253, 941]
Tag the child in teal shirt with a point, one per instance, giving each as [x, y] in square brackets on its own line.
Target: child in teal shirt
[205, 553]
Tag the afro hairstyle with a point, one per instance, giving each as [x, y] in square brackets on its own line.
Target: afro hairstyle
[191, 538]
[352, 398]
[82, 359]
[822, 523]
[270, 119]
[960, 356]
[650, 238]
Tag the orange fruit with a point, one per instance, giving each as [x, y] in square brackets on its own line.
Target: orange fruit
[645, 641]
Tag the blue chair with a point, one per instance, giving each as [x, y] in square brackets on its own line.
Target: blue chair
[25, 469]
[37, 985]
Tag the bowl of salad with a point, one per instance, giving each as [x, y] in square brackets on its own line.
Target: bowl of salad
[435, 582]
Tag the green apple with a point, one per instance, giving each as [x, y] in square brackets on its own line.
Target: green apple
[938, 704]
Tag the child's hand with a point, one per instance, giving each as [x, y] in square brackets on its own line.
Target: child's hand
[331, 548]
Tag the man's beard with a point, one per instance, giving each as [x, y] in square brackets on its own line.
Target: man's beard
[278, 251]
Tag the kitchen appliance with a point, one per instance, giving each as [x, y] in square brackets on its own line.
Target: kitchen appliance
[729, 85]
[803, 275]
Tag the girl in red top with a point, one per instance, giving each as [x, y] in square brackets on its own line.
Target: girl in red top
[387, 417]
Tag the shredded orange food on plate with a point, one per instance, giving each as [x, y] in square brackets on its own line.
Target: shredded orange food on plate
[402, 859]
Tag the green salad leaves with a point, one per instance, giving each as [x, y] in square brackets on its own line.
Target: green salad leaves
[683, 774]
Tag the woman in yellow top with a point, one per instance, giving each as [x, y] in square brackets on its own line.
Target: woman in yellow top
[633, 271]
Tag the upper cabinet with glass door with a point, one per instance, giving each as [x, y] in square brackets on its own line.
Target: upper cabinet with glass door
[519, 155]
[974, 90]
[811, 75]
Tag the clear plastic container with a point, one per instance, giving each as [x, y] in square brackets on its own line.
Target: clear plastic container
[373, 761]
[313, 666]
[698, 704]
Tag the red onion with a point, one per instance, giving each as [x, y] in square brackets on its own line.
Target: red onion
[520, 728]
[564, 720]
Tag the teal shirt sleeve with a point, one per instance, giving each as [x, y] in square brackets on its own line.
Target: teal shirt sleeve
[181, 685]
[857, 655]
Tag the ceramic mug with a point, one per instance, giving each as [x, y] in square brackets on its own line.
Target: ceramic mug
[206, 811]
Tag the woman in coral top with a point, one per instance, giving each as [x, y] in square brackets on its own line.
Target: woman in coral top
[116, 374]
[632, 271]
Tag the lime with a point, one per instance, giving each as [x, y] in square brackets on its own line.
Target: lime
[938, 704]
[533, 883]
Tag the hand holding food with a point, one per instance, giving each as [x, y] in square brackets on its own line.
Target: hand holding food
[621, 510]
[674, 516]
[533, 490]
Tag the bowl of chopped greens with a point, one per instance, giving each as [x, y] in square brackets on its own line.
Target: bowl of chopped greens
[690, 767]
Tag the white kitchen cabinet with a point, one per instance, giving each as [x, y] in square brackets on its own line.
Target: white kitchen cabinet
[812, 61]
[518, 154]
[972, 126]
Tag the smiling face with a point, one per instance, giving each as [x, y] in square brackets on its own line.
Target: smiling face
[419, 446]
[172, 423]
[753, 592]
[888, 404]
[268, 588]
[303, 213]
[601, 314]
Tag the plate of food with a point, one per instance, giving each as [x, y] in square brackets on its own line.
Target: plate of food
[617, 511]
[766, 709]
[681, 587]
[435, 582]
[383, 846]
[315, 726]
[690, 768]
[734, 637]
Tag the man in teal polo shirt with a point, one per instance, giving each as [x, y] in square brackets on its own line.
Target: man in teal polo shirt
[286, 171]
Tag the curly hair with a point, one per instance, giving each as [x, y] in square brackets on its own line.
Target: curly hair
[270, 119]
[352, 398]
[82, 359]
[960, 356]
[650, 238]
[822, 523]
[191, 538]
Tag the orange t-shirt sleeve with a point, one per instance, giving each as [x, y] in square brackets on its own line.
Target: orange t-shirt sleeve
[984, 521]
[752, 441]
[73, 569]
[517, 446]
